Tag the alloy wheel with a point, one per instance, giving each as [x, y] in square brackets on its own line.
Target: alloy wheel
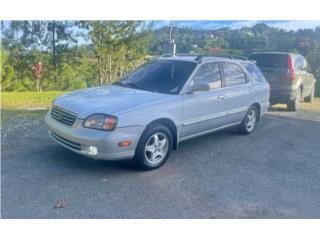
[251, 120]
[156, 148]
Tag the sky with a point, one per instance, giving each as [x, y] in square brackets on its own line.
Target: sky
[284, 24]
[211, 24]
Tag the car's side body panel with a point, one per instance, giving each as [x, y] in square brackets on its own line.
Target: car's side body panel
[203, 111]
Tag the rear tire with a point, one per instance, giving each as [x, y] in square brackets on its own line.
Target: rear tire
[154, 147]
[294, 105]
[250, 120]
[310, 98]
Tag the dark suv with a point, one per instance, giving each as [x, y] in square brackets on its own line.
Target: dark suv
[289, 76]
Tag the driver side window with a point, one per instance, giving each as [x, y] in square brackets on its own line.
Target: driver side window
[208, 73]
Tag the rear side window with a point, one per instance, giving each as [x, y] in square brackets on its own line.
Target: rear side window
[233, 74]
[254, 72]
[270, 60]
[209, 73]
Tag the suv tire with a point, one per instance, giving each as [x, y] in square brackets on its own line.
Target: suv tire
[250, 120]
[154, 147]
[310, 98]
[293, 105]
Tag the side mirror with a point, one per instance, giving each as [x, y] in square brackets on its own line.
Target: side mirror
[200, 87]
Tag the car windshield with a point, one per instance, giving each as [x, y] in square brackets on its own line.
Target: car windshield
[270, 60]
[163, 76]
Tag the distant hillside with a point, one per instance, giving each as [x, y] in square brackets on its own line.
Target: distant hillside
[244, 40]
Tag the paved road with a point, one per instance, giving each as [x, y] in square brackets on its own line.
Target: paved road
[272, 173]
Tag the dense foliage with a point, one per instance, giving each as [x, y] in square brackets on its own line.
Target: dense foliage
[66, 55]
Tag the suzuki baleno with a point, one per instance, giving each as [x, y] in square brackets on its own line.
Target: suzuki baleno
[157, 106]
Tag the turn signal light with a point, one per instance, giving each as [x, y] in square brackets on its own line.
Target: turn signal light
[124, 143]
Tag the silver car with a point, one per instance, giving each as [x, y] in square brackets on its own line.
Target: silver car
[157, 106]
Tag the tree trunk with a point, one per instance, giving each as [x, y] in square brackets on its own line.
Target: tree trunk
[100, 70]
[54, 53]
[110, 69]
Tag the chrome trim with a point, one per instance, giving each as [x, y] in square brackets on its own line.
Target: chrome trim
[63, 116]
[207, 132]
[65, 142]
[213, 116]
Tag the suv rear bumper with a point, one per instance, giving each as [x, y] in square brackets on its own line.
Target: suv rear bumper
[281, 96]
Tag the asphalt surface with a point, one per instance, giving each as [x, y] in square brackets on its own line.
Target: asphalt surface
[272, 173]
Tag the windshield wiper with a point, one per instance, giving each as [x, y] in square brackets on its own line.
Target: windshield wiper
[137, 86]
[120, 84]
[133, 85]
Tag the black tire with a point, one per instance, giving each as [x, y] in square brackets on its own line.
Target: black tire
[244, 126]
[310, 98]
[141, 156]
[294, 105]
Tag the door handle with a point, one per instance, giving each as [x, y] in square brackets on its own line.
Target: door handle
[221, 97]
[251, 91]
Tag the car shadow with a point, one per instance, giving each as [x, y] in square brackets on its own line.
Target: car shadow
[71, 160]
[277, 109]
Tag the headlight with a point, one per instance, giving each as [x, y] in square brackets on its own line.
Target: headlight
[100, 121]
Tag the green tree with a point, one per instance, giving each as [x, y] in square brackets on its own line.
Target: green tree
[118, 47]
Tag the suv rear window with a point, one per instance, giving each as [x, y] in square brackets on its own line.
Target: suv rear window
[270, 60]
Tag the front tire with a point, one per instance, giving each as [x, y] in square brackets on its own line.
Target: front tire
[154, 147]
[250, 120]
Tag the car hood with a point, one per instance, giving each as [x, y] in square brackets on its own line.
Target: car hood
[108, 99]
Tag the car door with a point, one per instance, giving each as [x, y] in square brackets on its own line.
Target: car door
[203, 110]
[239, 92]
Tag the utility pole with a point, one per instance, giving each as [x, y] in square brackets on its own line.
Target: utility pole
[170, 34]
[170, 47]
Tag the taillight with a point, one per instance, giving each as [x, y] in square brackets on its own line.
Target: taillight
[291, 73]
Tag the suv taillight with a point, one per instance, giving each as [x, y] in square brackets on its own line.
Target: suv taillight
[291, 73]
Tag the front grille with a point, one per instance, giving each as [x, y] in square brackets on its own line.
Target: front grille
[66, 142]
[63, 116]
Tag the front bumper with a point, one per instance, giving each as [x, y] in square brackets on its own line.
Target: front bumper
[79, 139]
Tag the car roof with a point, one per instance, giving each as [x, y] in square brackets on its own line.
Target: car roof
[295, 55]
[284, 53]
[270, 53]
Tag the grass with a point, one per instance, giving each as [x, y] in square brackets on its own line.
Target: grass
[28, 100]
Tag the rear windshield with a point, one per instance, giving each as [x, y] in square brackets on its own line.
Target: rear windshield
[270, 60]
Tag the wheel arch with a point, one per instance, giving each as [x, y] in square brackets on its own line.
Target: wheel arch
[258, 106]
[171, 126]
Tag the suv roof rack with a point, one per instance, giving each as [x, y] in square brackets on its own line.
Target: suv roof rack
[178, 55]
[198, 58]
